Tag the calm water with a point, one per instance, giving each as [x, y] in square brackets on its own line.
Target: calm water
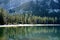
[33, 33]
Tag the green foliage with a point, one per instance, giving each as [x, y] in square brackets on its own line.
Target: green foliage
[29, 19]
[3, 15]
[25, 18]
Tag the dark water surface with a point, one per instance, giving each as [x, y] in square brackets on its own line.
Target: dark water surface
[32, 33]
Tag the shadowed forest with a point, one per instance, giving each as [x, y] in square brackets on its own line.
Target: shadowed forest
[25, 18]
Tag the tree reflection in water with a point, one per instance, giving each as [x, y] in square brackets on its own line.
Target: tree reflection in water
[32, 33]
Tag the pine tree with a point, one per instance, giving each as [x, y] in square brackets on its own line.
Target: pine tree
[1, 17]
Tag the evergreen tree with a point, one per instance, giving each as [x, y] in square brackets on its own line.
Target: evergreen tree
[1, 17]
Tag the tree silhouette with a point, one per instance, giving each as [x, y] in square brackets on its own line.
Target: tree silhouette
[1, 17]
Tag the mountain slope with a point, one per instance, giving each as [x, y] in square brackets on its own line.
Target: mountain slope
[38, 7]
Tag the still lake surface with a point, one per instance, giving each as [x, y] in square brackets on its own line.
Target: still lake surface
[33, 33]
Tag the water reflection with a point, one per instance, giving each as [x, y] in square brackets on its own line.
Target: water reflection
[33, 33]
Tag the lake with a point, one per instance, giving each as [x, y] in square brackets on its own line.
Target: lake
[32, 33]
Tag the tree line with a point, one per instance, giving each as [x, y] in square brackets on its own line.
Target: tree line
[25, 18]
